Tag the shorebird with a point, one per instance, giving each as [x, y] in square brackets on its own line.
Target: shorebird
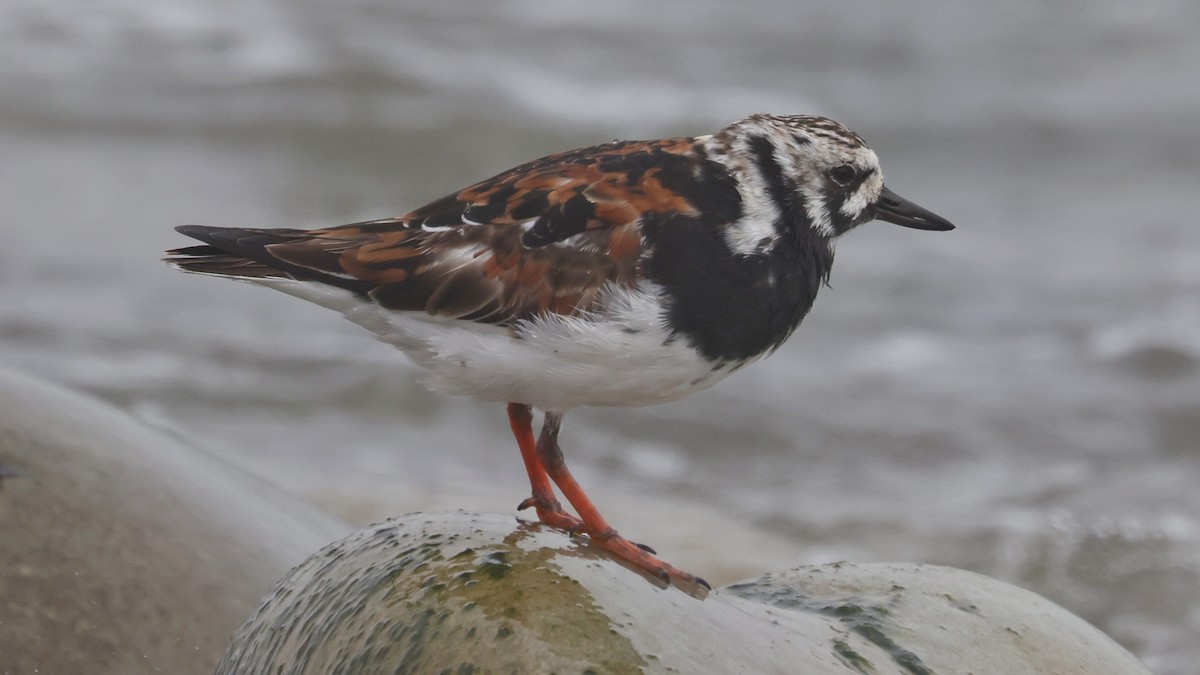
[625, 274]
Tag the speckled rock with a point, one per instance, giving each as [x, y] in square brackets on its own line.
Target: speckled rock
[467, 593]
[123, 551]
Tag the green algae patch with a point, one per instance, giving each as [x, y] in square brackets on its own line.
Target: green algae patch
[870, 619]
[415, 597]
[515, 592]
[852, 658]
[871, 622]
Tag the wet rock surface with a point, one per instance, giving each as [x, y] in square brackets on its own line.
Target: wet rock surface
[124, 551]
[461, 592]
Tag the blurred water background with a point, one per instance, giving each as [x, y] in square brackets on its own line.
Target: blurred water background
[1020, 397]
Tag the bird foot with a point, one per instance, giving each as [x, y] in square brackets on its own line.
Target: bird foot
[640, 558]
[549, 511]
[637, 556]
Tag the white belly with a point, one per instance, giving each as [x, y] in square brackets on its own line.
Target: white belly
[623, 356]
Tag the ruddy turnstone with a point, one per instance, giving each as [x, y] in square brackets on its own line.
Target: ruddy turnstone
[624, 274]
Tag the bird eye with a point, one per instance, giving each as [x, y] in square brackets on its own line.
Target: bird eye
[843, 175]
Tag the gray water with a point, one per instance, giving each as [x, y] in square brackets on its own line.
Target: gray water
[1020, 397]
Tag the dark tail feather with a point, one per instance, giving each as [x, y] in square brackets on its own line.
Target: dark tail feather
[265, 254]
[225, 253]
[211, 260]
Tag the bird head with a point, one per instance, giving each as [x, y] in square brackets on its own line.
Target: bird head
[817, 173]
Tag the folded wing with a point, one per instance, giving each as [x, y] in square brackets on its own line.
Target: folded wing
[543, 237]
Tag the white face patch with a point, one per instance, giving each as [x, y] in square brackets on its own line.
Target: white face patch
[818, 213]
[863, 197]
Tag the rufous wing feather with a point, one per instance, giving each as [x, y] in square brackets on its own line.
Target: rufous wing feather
[543, 237]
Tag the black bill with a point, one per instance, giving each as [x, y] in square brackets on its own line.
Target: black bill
[895, 209]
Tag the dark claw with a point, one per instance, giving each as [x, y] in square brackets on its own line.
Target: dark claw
[645, 548]
[703, 583]
[529, 501]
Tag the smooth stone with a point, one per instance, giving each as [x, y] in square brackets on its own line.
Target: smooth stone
[123, 550]
[468, 593]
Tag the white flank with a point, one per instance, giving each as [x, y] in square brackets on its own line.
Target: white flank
[622, 355]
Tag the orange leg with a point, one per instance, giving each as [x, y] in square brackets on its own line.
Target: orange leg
[549, 511]
[594, 525]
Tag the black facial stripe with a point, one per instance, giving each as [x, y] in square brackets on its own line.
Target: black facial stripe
[792, 215]
[860, 179]
[834, 203]
[763, 151]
